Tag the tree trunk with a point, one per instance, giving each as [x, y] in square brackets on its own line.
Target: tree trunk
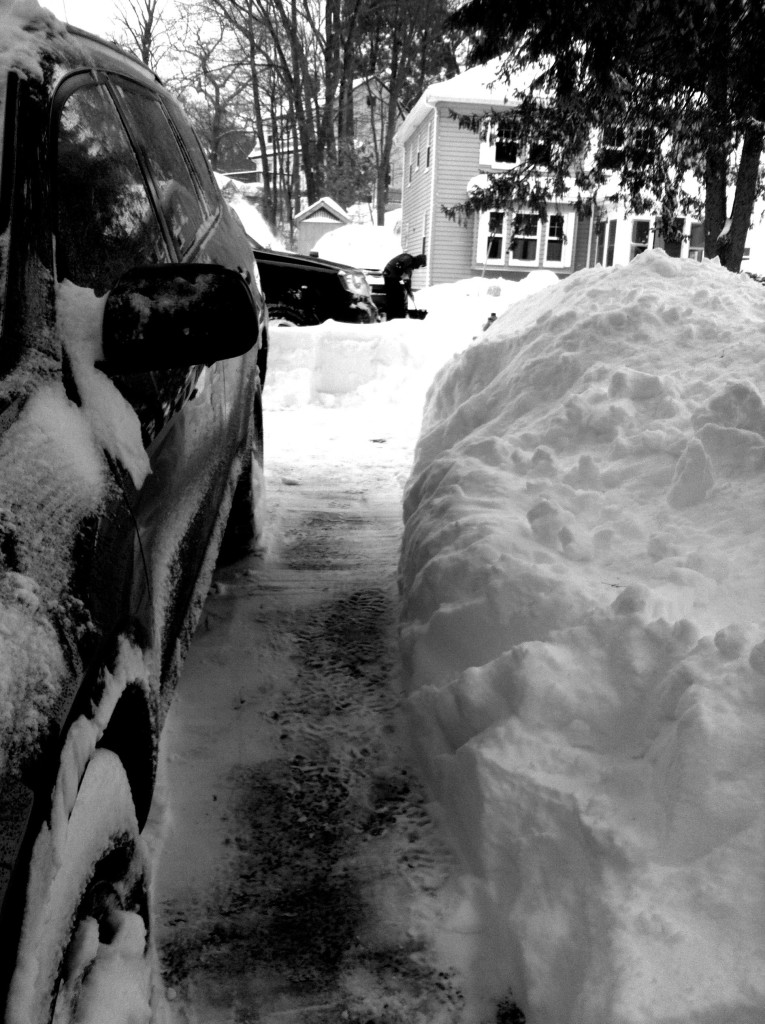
[715, 174]
[743, 201]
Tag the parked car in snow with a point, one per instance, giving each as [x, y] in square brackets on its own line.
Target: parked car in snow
[299, 290]
[368, 246]
[305, 290]
[132, 323]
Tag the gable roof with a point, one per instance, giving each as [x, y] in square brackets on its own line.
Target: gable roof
[479, 85]
[324, 209]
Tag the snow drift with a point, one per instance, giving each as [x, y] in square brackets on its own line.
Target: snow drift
[583, 637]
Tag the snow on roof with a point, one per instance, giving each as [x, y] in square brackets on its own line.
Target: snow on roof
[479, 86]
[324, 203]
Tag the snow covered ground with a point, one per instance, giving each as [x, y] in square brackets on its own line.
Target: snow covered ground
[582, 620]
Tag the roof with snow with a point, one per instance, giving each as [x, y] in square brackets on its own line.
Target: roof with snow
[479, 85]
[324, 209]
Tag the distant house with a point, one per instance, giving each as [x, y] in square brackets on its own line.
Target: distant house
[442, 161]
[316, 220]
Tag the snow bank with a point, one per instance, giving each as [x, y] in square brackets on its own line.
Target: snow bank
[583, 635]
[387, 364]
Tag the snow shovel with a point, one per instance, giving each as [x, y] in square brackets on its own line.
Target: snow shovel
[416, 314]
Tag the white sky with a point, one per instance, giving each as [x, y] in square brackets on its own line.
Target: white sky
[95, 16]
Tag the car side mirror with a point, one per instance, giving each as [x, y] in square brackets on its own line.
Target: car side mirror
[177, 315]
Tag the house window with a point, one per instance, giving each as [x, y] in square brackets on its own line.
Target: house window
[494, 243]
[539, 152]
[696, 241]
[558, 241]
[555, 239]
[672, 242]
[617, 143]
[523, 248]
[499, 144]
[604, 251]
[611, 243]
[523, 239]
[427, 157]
[644, 139]
[505, 145]
[613, 137]
[641, 233]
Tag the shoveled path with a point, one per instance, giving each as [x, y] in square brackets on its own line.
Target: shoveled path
[301, 879]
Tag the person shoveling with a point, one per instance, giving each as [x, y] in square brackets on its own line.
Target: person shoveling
[398, 286]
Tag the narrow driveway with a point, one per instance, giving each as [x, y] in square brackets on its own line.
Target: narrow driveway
[301, 878]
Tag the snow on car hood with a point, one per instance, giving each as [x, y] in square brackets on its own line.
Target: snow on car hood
[359, 245]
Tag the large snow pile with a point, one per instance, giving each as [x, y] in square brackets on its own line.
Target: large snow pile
[583, 633]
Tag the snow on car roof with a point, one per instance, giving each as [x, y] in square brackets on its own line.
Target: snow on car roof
[24, 25]
[359, 245]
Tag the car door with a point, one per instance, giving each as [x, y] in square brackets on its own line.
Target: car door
[200, 224]
[125, 199]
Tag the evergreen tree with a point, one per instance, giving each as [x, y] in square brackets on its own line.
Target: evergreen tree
[672, 90]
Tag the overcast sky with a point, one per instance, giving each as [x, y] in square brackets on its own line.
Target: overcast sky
[93, 15]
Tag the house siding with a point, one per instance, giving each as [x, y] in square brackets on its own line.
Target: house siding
[416, 214]
[451, 245]
[452, 242]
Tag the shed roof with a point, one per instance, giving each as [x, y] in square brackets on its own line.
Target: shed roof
[324, 209]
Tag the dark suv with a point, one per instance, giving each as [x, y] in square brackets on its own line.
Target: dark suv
[304, 290]
[131, 324]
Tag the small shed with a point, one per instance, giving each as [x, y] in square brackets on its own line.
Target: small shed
[316, 220]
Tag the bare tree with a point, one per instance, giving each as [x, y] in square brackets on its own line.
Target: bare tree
[321, 84]
[211, 76]
[142, 29]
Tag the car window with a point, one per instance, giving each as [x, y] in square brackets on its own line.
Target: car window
[177, 194]
[105, 223]
[196, 155]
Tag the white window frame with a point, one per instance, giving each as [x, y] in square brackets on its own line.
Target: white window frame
[568, 240]
[692, 222]
[511, 262]
[612, 236]
[488, 150]
[505, 259]
[635, 245]
[482, 245]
